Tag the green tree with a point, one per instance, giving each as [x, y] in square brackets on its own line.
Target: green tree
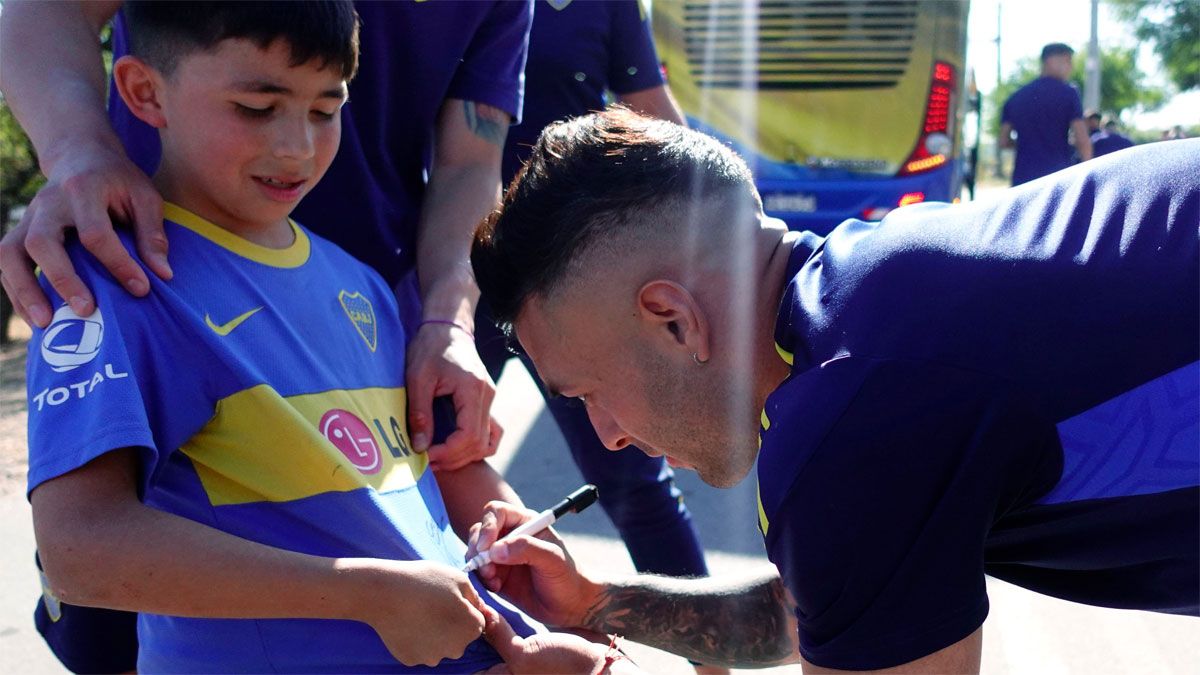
[20, 179]
[1122, 85]
[1173, 26]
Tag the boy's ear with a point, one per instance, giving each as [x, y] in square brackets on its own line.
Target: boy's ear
[141, 87]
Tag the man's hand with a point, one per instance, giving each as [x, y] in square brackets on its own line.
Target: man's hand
[88, 190]
[423, 593]
[442, 361]
[535, 573]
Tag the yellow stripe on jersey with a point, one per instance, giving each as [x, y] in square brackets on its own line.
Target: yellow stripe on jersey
[293, 255]
[762, 513]
[764, 420]
[263, 447]
[784, 354]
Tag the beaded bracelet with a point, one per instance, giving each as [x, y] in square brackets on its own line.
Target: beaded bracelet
[447, 322]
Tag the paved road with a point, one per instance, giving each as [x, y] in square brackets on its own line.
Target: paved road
[1026, 633]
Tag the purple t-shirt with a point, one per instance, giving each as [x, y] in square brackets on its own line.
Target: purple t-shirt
[414, 55]
[1041, 112]
[577, 50]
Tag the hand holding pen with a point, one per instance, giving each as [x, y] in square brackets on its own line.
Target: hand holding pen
[573, 503]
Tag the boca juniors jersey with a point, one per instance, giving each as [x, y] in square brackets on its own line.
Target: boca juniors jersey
[1004, 388]
[264, 389]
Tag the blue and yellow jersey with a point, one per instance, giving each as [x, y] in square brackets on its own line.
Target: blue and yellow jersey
[264, 389]
[1005, 388]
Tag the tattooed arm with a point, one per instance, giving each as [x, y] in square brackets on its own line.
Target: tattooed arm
[739, 622]
[742, 621]
[464, 186]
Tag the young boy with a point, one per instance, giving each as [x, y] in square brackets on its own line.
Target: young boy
[228, 456]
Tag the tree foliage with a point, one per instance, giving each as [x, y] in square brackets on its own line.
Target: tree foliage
[1173, 26]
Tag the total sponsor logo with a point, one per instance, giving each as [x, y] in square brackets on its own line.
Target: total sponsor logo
[356, 441]
[71, 342]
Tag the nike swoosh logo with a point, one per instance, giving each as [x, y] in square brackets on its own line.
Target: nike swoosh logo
[227, 328]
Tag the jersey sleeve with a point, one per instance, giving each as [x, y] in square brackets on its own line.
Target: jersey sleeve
[633, 61]
[880, 538]
[492, 71]
[82, 381]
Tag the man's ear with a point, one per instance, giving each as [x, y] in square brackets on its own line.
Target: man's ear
[674, 315]
[141, 87]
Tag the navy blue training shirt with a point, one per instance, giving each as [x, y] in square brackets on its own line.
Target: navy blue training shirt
[1105, 142]
[577, 50]
[413, 56]
[1005, 388]
[1041, 112]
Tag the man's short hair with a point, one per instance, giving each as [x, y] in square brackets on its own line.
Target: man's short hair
[1093, 115]
[595, 178]
[1056, 49]
[161, 32]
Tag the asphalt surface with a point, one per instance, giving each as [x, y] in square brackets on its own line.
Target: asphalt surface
[1025, 633]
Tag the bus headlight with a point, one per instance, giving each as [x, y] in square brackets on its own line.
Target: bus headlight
[938, 144]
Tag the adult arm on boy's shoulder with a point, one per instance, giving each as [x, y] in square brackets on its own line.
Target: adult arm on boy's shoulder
[90, 180]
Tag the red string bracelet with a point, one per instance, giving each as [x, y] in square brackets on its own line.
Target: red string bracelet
[447, 322]
[613, 655]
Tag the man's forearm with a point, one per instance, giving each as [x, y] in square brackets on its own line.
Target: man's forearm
[52, 75]
[743, 623]
[457, 199]
[464, 187]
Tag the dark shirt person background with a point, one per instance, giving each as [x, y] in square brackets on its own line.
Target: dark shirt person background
[1041, 113]
[1108, 139]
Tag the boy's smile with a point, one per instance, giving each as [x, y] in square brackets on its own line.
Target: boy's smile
[246, 135]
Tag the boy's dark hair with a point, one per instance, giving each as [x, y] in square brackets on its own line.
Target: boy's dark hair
[590, 178]
[1056, 49]
[161, 32]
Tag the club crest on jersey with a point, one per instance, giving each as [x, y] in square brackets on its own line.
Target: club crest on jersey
[361, 314]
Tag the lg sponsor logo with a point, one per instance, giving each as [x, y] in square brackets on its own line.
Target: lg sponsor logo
[354, 438]
[71, 342]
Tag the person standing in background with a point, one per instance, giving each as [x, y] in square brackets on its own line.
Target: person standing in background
[1042, 113]
[1108, 139]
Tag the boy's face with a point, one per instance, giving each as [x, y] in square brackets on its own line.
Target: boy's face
[247, 135]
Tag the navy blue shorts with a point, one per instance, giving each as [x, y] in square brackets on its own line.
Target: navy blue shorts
[87, 639]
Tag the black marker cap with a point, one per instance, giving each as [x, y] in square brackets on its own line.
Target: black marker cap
[576, 501]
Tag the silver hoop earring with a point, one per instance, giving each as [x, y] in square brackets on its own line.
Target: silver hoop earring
[696, 358]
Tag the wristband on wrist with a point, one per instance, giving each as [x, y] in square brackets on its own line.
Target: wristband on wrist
[446, 322]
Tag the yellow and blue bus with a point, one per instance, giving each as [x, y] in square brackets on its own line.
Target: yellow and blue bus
[843, 108]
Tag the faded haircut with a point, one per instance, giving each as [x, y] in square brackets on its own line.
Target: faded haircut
[593, 179]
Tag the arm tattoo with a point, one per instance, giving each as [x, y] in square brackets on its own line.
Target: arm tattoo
[488, 123]
[743, 625]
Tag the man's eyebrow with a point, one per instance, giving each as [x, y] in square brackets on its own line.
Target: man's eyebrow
[268, 87]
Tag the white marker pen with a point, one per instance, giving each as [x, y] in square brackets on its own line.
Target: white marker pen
[574, 503]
